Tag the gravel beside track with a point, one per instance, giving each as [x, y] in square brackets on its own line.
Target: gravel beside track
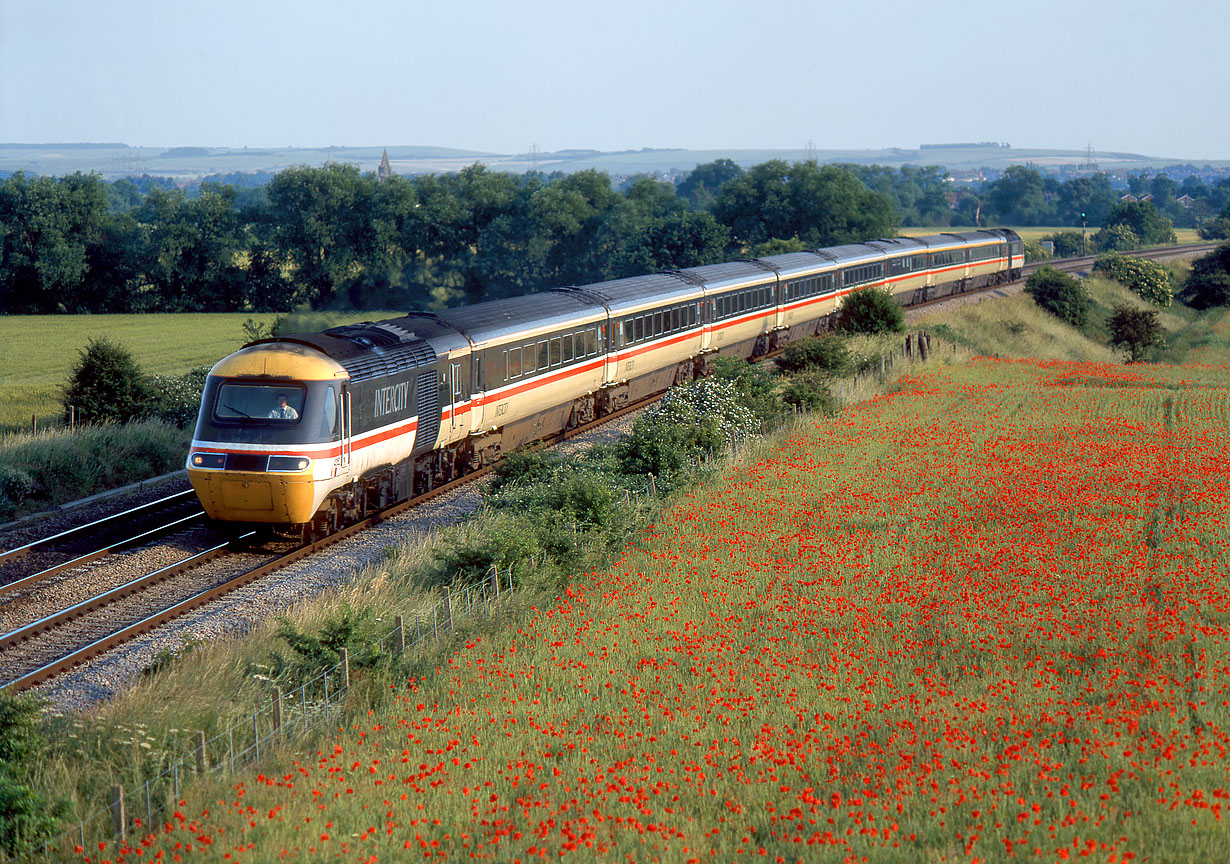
[245, 608]
[82, 583]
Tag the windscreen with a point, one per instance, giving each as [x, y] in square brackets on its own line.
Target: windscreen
[264, 402]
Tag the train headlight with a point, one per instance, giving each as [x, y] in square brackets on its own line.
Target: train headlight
[289, 463]
[213, 461]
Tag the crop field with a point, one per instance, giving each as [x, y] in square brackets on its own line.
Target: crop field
[1184, 235]
[983, 617]
[37, 352]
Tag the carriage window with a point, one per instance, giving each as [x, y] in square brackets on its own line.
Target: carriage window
[639, 331]
[330, 419]
[514, 363]
[542, 354]
[555, 351]
[567, 341]
[528, 358]
[591, 341]
[628, 332]
[657, 323]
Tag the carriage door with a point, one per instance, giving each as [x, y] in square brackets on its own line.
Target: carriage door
[346, 429]
[454, 386]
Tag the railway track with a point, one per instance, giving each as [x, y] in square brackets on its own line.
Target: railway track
[40, 560]
[53, 643]
[67, 637]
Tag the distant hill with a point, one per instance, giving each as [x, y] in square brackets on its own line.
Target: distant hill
[188, 163]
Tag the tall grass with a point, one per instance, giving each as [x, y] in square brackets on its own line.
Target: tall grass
[45, 469]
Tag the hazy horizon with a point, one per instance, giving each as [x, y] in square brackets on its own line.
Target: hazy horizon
[504, 78]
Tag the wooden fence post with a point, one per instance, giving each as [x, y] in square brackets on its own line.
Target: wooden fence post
[277, 710]
[447, 616]
[118, 821]
[399, 640]
[200, 752]
[495, 580]
[344, 662]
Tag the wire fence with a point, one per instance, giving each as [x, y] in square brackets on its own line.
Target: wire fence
[287, 716]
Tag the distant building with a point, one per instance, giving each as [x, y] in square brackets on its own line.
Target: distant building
[1130, 198]
[385, 171]
[1186, 201]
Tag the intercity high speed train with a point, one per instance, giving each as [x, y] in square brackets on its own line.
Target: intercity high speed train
[307, 432]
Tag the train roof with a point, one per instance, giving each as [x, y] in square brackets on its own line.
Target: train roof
[733, 274]
[854, 253]
[793, 264]
[495, 320]
[367, 349]
[627, 295]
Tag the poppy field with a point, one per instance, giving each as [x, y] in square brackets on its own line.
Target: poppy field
[985, 616]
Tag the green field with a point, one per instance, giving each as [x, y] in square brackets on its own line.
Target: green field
[1185, 235]
[37, 352]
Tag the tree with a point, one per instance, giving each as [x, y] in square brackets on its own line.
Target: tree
[1144, 221]
[1133, 330]
[1093, 196]
[319, 220]
[1209, 284]
[49, 225]
[871, 310]
[1018, 197]
[673, 242]
[1062, 295]
[822, 206]
[106, 386]
[704, 182]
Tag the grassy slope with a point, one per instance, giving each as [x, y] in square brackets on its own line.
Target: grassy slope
[37, 352]
[947, 588]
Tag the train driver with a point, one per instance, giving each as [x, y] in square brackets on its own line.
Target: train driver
[283, 411]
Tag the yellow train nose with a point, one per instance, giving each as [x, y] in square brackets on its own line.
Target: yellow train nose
[237, 496]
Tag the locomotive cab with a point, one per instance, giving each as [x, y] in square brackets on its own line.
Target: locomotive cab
[269, 435]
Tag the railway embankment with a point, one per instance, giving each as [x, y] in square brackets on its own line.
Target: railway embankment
[217, 680]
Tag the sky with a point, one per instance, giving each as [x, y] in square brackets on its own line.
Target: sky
[1137, 76]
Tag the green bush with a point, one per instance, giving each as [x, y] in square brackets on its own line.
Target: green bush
[106, 386]
[1068, 244]
[824, 353]
[1209, 284]
[1217, 228]
[176, 399]
[1147, 278]
[1064, 296]
[689, 422]
[1034, 251]
[754, 383]
[26, 817]
[810, 392]
[871, 310]
[1118, 238]
[15, 487]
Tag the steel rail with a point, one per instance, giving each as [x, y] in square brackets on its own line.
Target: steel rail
[22, 551]
[57, 619]
[42, 575]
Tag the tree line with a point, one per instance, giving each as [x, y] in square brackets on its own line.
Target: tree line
[334, 237]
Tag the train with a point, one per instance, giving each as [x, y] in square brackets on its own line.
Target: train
[304, 433]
